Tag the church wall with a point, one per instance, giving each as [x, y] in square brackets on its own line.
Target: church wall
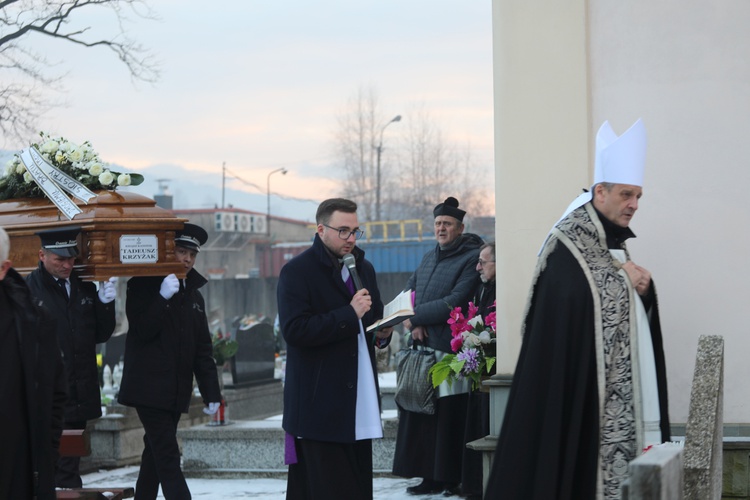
[683, 68]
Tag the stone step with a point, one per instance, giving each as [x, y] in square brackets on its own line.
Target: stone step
[258, 446]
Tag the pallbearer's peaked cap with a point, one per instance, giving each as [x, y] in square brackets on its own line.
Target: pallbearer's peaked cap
[62, 241]
[191, 237]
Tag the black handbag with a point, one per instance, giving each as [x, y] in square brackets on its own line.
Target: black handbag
[414, 390]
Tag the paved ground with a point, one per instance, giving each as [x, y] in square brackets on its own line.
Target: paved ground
[257, 488]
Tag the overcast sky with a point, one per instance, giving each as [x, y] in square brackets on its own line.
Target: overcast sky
[258, 85]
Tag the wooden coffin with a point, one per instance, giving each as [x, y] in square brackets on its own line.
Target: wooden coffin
[122, 234]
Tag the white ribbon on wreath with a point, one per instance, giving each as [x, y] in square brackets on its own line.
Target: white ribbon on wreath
[53, 181]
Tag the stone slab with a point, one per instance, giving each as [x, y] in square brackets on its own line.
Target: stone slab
[703, 432]
[258, 446]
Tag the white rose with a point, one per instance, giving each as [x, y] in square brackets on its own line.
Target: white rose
[123, 180]
[20, 168]
[59, 157]
[75, 156]
[95, 168]
[473, 340]
[67, 146]
[476, 322]
[50, 146]
[27, 178]
[106, 178]
[485, 337]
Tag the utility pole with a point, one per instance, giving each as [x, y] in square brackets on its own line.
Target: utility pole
[397, 118]
[223, 179]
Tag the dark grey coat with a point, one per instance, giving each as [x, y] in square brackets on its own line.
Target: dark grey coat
[444, 279]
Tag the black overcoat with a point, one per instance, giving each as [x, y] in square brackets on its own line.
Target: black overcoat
[44, 384]
[321, 328]
[82, 323]
[168, 342]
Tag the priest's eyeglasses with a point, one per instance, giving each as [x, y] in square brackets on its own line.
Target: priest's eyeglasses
[345, 234]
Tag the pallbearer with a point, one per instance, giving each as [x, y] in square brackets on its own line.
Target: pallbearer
[167, 343]
[85, 317]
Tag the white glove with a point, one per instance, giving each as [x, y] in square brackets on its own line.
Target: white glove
[169, 286]
[212, 408]
[107, 290]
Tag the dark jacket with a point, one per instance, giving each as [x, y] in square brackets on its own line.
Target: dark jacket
[484, 298]
[445, 279]
[43, 382]
[82, 323]
[167, 342]
[321, 328]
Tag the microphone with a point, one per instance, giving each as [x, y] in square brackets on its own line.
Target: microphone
[351, 264]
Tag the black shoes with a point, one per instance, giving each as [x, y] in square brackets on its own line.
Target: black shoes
[426, 487]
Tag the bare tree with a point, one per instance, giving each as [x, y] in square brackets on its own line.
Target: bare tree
[420, 170]
[24, 91]
[431, 169]
[356, 149]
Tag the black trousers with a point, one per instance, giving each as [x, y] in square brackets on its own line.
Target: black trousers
[331, 470]
[160, 462]
[67, 472]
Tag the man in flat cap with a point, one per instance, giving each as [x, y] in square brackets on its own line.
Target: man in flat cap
[431, 446]
[85, 317]
[590, 391]
[168, 342]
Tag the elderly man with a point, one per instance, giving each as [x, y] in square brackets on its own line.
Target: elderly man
[589, 391]
[331, 395]
[84, 317]
[32, 389]
[428, 446]
[484, 297]
[478, 413]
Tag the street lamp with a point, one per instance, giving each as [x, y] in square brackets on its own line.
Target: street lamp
[396, 118]
[268, 192]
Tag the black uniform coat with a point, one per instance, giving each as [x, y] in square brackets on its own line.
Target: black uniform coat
[82, 323]
[167, 342]
[321, 328]
[35, 414]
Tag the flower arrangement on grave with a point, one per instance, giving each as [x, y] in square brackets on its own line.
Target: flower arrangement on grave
[473, 342]
[79, 161]
[224, 348]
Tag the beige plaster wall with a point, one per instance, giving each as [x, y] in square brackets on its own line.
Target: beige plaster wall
[541, 134]
[684, 67]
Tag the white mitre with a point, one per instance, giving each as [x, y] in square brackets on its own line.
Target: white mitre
[619, 160]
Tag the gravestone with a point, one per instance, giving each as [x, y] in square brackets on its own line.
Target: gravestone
[704, 430]
[255, 358]
[655, 475]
